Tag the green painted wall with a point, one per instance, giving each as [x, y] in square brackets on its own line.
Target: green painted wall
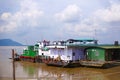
[30, 52]
[96, 54]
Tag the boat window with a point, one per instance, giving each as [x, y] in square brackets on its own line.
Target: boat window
[42, 53]
[97, 53]
[73, 53]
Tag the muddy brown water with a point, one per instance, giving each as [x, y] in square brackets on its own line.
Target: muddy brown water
[40, 71]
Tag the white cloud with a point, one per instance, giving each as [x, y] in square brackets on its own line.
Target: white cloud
[5, 16]
[28, 16]
[97, 22]
[83, 29]
[74, 20]
[8, 24]
[70, 14]
[79, 29]
[110, 14]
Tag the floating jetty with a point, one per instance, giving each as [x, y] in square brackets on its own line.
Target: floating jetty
[72, 52]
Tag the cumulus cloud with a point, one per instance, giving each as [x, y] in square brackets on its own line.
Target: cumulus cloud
[84, 29]
[72, 20]
[87, 26]
[5, 16]
[8, 24]
[79, 29]
[110, 14]
[100, 22]
[28, 15]
[108, 19]
[70, 14]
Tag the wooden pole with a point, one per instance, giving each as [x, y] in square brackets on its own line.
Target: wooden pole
[13, 64]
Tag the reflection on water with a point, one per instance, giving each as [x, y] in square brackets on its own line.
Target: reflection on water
[39, 71]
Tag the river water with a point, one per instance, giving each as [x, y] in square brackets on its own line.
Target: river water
[40, 71]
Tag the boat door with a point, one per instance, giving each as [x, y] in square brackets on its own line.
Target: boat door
[73, 56]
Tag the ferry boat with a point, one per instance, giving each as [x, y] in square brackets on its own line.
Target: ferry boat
[67, 53]
[35, 53]
[73, 52]
[29, 54]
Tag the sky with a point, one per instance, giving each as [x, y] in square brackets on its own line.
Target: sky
[29, 21]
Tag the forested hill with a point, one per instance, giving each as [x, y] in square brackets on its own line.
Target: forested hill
[9, 42]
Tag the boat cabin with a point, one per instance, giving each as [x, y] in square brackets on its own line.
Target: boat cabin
[103, 53]
[76, 47]
[70, 50]
[43, 50]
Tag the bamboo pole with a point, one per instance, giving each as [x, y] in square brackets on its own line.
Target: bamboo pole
[13, 64]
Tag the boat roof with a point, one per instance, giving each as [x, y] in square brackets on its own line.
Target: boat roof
[109, 47]
[55, 46]
[81, 45]
[82, 40]
[103, 46]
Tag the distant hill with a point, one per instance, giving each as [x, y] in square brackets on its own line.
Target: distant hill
[9, 42]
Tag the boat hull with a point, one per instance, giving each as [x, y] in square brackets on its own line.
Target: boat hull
[62, 64]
